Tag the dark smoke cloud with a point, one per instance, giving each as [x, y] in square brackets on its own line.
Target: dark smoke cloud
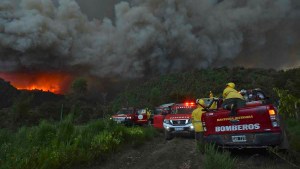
[149, 37]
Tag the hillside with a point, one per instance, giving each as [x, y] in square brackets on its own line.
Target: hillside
[196, 84]
[30, 107]
[7, 94]
[25, 107]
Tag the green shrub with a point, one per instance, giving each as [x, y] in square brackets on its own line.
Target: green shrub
[64, 145]
[293, 128]
[288, 104]
[289, 109]
[5, 136]
[45, 134]
[135, 136]
[215, 159]
[105, 142]
[65, 130]
[150, 132]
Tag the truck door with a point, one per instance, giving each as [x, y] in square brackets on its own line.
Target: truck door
[158, 118]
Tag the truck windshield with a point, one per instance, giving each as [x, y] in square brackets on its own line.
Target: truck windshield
[142, 111]
[183, 111]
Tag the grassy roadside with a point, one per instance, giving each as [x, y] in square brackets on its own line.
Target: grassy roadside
[64, 145]
[214, 158]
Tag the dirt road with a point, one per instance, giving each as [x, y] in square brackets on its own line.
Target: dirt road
[181, 153]
[177, 153]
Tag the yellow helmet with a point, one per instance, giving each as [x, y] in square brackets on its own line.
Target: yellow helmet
[211, 94]
[230, 84]
[200, 102]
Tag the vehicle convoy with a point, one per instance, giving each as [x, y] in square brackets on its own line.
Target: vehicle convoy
[132, 116]
[178, 120]
[257, 125]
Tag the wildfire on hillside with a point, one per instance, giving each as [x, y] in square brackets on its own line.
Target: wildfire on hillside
[55, 82]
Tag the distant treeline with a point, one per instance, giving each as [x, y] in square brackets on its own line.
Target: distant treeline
[179, 87]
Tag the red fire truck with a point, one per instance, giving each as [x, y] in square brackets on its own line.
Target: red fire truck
[175, 119]
[160, 113]
[132, 116]
[257, 125]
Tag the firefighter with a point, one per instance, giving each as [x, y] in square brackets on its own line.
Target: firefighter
[232, 99]
[214, 104]
[197, 123]
[148, 113]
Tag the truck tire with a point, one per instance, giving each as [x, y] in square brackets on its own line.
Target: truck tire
[168, 135]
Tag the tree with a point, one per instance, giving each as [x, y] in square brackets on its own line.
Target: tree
[155, 96]
[79, 86]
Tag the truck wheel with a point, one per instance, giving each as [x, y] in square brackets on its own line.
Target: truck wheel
[168, 135]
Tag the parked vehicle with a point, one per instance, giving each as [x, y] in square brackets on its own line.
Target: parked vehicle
[175, 119]
[159, 114]
[257, 125]
[132, 116]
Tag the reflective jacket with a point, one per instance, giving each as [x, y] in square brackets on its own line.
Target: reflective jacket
[230, 93]
[214, 105]
[148, 113]
[196, 119]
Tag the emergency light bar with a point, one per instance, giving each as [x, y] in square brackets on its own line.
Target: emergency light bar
[189, 103]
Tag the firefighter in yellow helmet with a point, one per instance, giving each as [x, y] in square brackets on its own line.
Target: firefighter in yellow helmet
[197, 123]
[214, 104]
[232, 99]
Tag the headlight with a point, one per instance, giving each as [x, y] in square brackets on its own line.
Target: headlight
[128, 117]
[110, 118]
[167, 121]
[192, 127]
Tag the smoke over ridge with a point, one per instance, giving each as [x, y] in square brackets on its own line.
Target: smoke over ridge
[149, 37]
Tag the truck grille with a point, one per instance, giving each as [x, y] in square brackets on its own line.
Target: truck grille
[178, 122]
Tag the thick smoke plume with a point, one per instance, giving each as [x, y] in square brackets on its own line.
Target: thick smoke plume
[149, 37]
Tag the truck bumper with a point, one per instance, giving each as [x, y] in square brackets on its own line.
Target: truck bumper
[257, 140]
[179, 130]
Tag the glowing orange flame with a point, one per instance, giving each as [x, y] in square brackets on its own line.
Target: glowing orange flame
[55, 82]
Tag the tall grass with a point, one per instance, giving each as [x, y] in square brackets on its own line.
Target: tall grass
[64, 145]
[289, 108]
[215, 159]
